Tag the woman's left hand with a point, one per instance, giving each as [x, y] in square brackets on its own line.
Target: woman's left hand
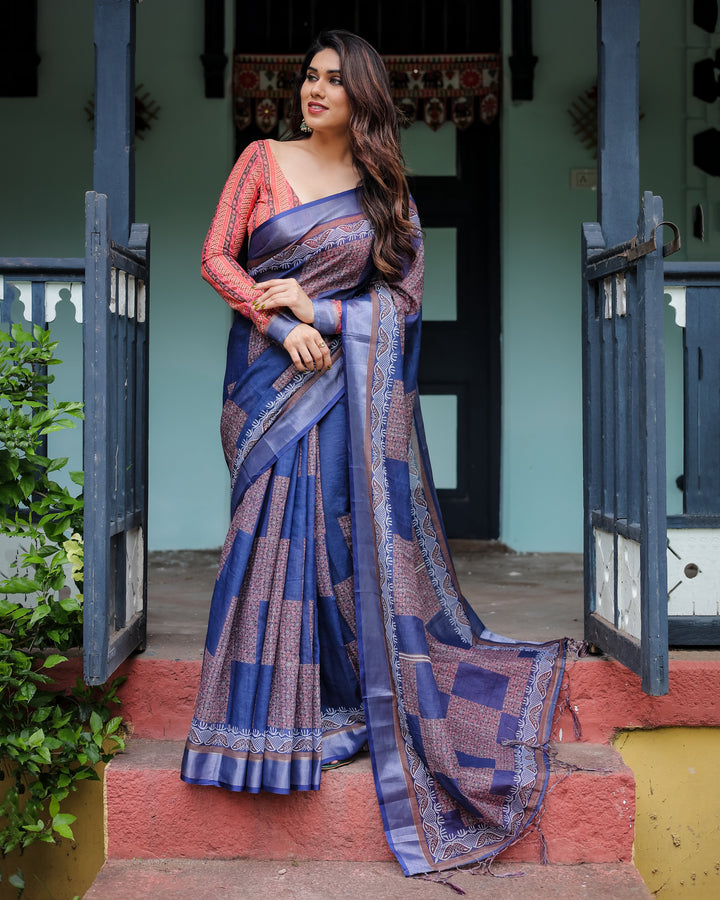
[277, 292]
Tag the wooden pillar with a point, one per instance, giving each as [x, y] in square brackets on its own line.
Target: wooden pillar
[114, 157]
[618, 31]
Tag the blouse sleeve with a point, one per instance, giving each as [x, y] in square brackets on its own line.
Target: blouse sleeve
[225, 238]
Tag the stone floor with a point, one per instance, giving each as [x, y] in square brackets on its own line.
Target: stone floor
[185, 879]
[534, 596]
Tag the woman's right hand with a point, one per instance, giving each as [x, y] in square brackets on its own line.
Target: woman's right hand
[307, 349]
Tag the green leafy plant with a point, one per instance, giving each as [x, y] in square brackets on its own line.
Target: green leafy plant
[50, 740]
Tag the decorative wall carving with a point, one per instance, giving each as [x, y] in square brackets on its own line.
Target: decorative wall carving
[433, 89]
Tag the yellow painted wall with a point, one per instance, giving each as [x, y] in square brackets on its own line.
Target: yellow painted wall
[67, 869]
[677, 825]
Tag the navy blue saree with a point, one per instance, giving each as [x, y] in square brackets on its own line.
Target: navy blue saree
[337, 619]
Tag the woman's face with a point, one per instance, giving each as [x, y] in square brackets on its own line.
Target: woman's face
[325, 104]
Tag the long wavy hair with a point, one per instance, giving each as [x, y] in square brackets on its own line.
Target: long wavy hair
[375, 146]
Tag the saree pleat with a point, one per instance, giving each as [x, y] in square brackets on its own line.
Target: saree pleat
[337, 617]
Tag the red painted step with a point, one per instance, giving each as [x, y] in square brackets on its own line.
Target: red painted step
[175, 879]
[159, 696]
[151, 813]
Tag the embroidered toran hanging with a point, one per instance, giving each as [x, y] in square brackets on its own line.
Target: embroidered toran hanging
[432, 89]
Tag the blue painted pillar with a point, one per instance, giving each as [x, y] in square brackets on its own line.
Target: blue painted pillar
[618, 32]
[114, 157]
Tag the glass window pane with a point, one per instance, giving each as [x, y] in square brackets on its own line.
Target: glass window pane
[440, 415]
[429, 152]
[440, 295]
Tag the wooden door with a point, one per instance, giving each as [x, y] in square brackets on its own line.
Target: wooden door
[460, 358]
[115, 362]
[624, 447]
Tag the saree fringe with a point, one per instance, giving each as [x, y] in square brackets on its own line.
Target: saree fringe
[444, 880]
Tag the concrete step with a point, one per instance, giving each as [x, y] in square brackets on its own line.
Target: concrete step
[151, 813]
[177, 879]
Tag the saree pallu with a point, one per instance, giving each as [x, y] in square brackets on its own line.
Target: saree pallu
[337, 617]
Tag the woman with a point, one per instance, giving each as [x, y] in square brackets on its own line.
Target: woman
[337, 619]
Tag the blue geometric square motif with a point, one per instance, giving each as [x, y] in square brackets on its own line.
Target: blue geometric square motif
[480, 685]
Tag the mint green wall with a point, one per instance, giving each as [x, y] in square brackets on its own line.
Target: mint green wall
[46, 164]
[541, 480]
[541, 484]
[181, 166]
[46, 150]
